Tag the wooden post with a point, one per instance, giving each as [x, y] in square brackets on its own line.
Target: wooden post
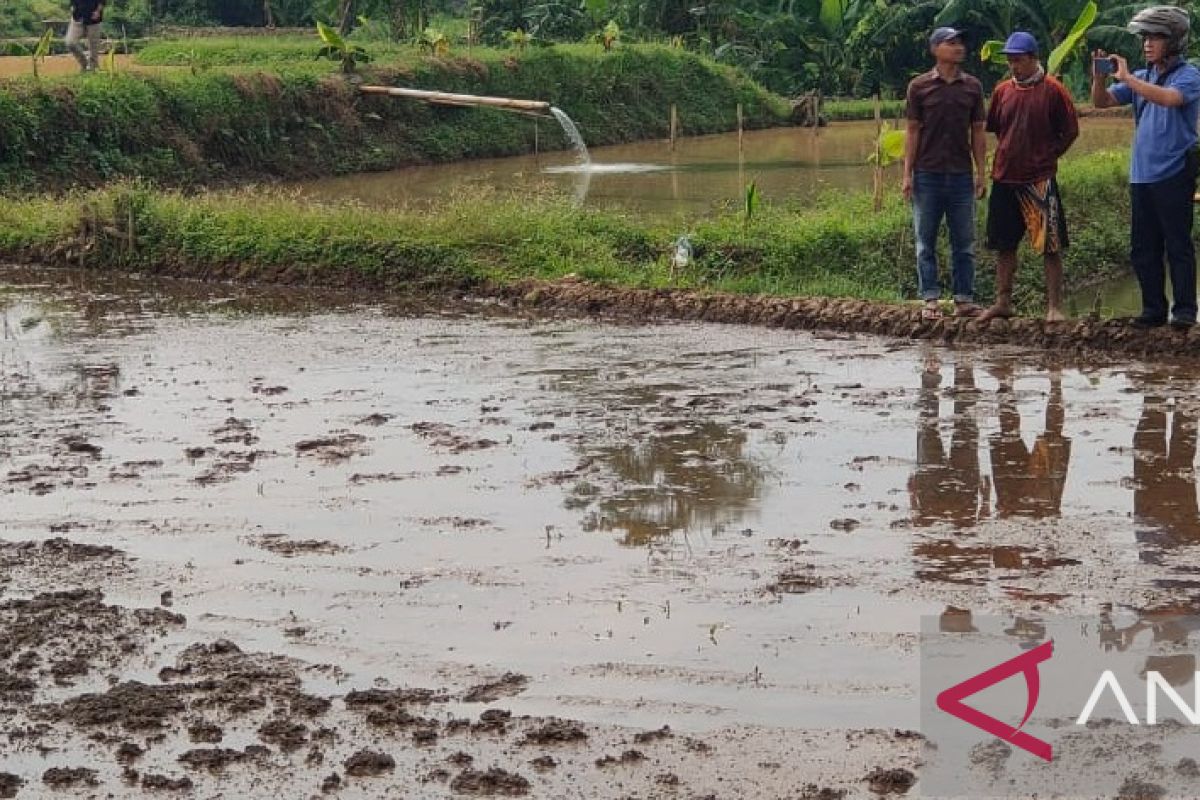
[739, 120]
[535, 135]
[674, 124]
[878, 154]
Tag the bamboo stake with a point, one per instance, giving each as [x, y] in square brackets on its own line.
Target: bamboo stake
[878, 154]
[674, 124]
[739, 115]
[448, 99]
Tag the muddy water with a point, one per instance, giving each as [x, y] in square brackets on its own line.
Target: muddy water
[701, 173]
[714, 528]
[14, 66]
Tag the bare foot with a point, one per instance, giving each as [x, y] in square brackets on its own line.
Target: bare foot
[997, 311]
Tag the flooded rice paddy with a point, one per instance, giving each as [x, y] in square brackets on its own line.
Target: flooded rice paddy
[315, 541]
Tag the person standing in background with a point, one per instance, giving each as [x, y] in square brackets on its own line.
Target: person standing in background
[86, 16]
[1034, 120]
[1162, 173]
[945, 134]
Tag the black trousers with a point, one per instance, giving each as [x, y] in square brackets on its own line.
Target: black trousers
[1162, 226]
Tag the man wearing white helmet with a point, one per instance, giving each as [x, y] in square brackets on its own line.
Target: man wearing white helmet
[1166, 101]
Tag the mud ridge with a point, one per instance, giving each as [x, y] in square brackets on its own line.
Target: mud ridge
[1074, 337]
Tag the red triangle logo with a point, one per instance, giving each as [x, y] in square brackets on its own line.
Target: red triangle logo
[951, 700]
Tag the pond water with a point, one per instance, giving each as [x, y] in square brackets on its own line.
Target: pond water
[701, 173]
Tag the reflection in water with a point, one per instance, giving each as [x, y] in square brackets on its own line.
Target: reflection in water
[946, 486]
[1170, 630]
[1164, 495]
[673, 464]
[1029, 482]
[956, 620]
[677, 482]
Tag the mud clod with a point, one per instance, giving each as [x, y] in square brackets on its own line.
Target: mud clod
[796, 582]
[205, 733]
[494, 720]
[163, 783]
[285, 734]
[1135, 788]
[9, 784]
[334, 448]
[555, 732]
[128, 752]
[132, 705]
[369, 763]
[626, 758]
[509, 685]
[214, 758]
[494, 781]
[890, 781]
[281, 545]
[645, 737]
[66, 777]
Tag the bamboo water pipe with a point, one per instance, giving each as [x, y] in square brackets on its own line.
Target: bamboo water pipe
[447, 99]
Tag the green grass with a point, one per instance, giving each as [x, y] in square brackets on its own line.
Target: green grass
[838, 247]
[226, 124]
[848, 110]
[258, 51]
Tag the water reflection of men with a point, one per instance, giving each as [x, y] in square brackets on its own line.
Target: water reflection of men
[1164, 495]
[946, 486]
[1029, 481]
[1171, 628]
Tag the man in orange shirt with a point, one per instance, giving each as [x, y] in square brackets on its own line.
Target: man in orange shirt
[1034, 119]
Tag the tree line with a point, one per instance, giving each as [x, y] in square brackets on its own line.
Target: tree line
[835, 47]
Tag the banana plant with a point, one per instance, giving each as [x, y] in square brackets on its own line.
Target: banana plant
[889, 148]
[610, 35]
[338, 48]
[518, 38]
[434, 42]
[41, 50]
[1071, 41]
[751, 203]
[1059, 55]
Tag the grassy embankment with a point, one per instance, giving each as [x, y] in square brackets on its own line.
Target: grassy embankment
[298, 119]
[229, 122]
[837, 247]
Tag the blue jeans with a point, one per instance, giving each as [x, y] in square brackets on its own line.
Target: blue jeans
[949, 195]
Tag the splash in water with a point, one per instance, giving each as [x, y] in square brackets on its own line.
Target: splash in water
[573, 135]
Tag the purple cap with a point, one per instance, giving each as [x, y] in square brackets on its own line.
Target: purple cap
[944, 35]
[1020, 43]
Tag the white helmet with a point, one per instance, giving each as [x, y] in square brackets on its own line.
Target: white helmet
[1170, 21]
